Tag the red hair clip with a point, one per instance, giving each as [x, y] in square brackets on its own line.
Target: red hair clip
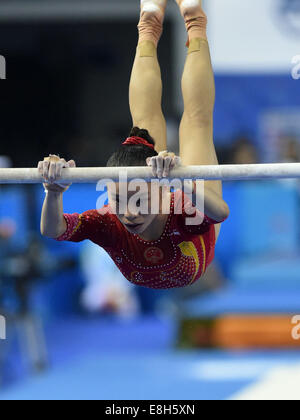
[137, 140]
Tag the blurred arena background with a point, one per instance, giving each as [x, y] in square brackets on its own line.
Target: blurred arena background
[75, 329]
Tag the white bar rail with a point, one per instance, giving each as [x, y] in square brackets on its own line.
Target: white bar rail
[212, 172]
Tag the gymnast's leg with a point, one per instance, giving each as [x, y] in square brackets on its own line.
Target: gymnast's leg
[145, 91]
[198, 87]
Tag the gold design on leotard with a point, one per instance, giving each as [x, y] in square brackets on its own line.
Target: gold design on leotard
[204, 254]
[188, 249]
[77, 227]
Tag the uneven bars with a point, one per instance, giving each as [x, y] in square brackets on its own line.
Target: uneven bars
[212, 172]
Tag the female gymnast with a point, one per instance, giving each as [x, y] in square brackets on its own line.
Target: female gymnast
[158, 251]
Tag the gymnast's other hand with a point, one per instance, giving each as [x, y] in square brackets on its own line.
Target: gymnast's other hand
[51, 170]
[163, 163]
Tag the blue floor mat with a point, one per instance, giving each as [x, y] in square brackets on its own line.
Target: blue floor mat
[175, 376]
[101, 359]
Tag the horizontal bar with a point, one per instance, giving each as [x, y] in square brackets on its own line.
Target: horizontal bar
[212, 172]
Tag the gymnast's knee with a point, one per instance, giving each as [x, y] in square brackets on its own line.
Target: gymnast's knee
[196, 116]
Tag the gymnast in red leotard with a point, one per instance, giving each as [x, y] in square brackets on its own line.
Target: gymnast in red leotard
[158, 250]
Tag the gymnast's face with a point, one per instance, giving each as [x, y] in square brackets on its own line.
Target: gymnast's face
[133, 208]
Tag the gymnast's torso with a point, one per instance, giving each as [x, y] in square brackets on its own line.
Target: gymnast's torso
[177, 259]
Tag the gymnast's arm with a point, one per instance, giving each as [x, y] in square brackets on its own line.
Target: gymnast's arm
[214, 205]
[53, 223]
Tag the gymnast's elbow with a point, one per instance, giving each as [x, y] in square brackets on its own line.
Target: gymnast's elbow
[225, 211]
[222, 213]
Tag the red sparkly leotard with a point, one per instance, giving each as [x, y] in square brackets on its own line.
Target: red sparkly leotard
[178, 259]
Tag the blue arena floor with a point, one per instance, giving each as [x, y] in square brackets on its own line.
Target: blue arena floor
[95, 360]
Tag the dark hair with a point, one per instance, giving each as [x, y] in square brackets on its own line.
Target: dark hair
[133, 155]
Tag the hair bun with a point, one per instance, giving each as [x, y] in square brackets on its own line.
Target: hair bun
[143, 133]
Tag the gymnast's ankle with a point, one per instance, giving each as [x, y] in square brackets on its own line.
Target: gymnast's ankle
[151, 20]
[194, 17]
